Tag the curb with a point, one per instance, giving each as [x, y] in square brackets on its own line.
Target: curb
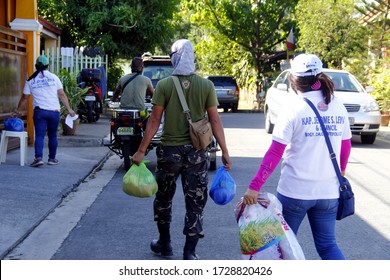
[80, 141]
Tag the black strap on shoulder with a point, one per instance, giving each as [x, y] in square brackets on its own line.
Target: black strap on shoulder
[332, 155]
[129, 80]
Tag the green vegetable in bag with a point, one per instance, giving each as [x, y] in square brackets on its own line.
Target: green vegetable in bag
[139, 181]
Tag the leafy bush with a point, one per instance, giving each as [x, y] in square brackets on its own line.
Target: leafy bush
[115, 72]
[74, 93]
[381, 83]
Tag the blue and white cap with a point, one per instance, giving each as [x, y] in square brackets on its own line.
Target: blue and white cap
[42, 60]
[305, 65]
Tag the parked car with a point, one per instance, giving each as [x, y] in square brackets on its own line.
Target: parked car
[228, 93]
[363, 111]
[157, 68]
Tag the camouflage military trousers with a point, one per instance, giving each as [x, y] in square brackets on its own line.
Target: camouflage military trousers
[173, 161]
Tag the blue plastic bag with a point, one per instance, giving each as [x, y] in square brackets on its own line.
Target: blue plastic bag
[13, 124]
[223, 188]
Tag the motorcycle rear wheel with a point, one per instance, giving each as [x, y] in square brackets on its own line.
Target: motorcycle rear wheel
[97, 111]
[126, 154]
[129, 148]
[212, 155]
[90, 117]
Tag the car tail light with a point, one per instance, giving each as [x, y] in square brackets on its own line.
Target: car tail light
[237, 92]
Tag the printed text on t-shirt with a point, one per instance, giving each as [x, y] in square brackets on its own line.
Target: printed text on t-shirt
[330, 123]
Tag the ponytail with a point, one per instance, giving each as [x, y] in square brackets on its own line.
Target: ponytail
[308, 83]
[39, 68]
[327, 87]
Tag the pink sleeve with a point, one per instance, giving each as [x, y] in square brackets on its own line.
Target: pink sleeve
[271, 159]
[344, 153]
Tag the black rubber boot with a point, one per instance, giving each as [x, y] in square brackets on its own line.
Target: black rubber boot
[163, 244]
[189, 248]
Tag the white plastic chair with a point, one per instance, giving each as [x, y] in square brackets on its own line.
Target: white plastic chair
[4, 145]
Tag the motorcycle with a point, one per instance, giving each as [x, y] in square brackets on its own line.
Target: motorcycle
[126, 131]
[91, 108]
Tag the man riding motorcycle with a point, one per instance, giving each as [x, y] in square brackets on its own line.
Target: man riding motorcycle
[130, 119]
[133, 87]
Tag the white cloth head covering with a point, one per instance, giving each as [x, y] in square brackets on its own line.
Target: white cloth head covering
[183, 57]
[305, 65]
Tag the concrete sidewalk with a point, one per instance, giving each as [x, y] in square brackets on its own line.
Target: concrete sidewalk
[29, 194]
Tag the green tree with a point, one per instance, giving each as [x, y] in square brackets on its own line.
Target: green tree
[330, 29]
[381, 83]
[240, 33]
[376, 16]
[122, 28]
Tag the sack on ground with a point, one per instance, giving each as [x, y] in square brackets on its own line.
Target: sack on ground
[139, 181]
[223, 188]
[201, 133]
[264, 234]
[14, 124]
[346, 201]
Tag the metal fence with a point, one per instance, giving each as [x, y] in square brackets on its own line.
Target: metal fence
[74, 59]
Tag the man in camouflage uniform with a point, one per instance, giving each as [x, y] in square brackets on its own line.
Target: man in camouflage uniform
[176, 154]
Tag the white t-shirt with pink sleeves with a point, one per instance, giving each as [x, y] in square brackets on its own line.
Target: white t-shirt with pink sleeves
[307, 171]
[44, 89]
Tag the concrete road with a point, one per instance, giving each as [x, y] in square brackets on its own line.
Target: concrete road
[111, 225]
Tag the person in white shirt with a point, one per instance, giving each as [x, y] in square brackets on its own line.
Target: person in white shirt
[308, 183]
[46, 89]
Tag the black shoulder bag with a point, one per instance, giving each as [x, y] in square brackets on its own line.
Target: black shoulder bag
[347, 198]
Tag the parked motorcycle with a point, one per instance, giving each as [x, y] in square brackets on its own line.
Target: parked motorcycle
[92, 106]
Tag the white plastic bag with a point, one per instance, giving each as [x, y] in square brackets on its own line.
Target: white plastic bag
[264, 234]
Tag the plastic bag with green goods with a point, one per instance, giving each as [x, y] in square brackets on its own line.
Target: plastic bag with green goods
[264, 234]
[139, 181]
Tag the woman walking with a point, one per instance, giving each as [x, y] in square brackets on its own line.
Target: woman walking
[46, 89]
[308, 183]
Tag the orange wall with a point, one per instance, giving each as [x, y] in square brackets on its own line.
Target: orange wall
[27, 9]
[24, 9]
[7, 11]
